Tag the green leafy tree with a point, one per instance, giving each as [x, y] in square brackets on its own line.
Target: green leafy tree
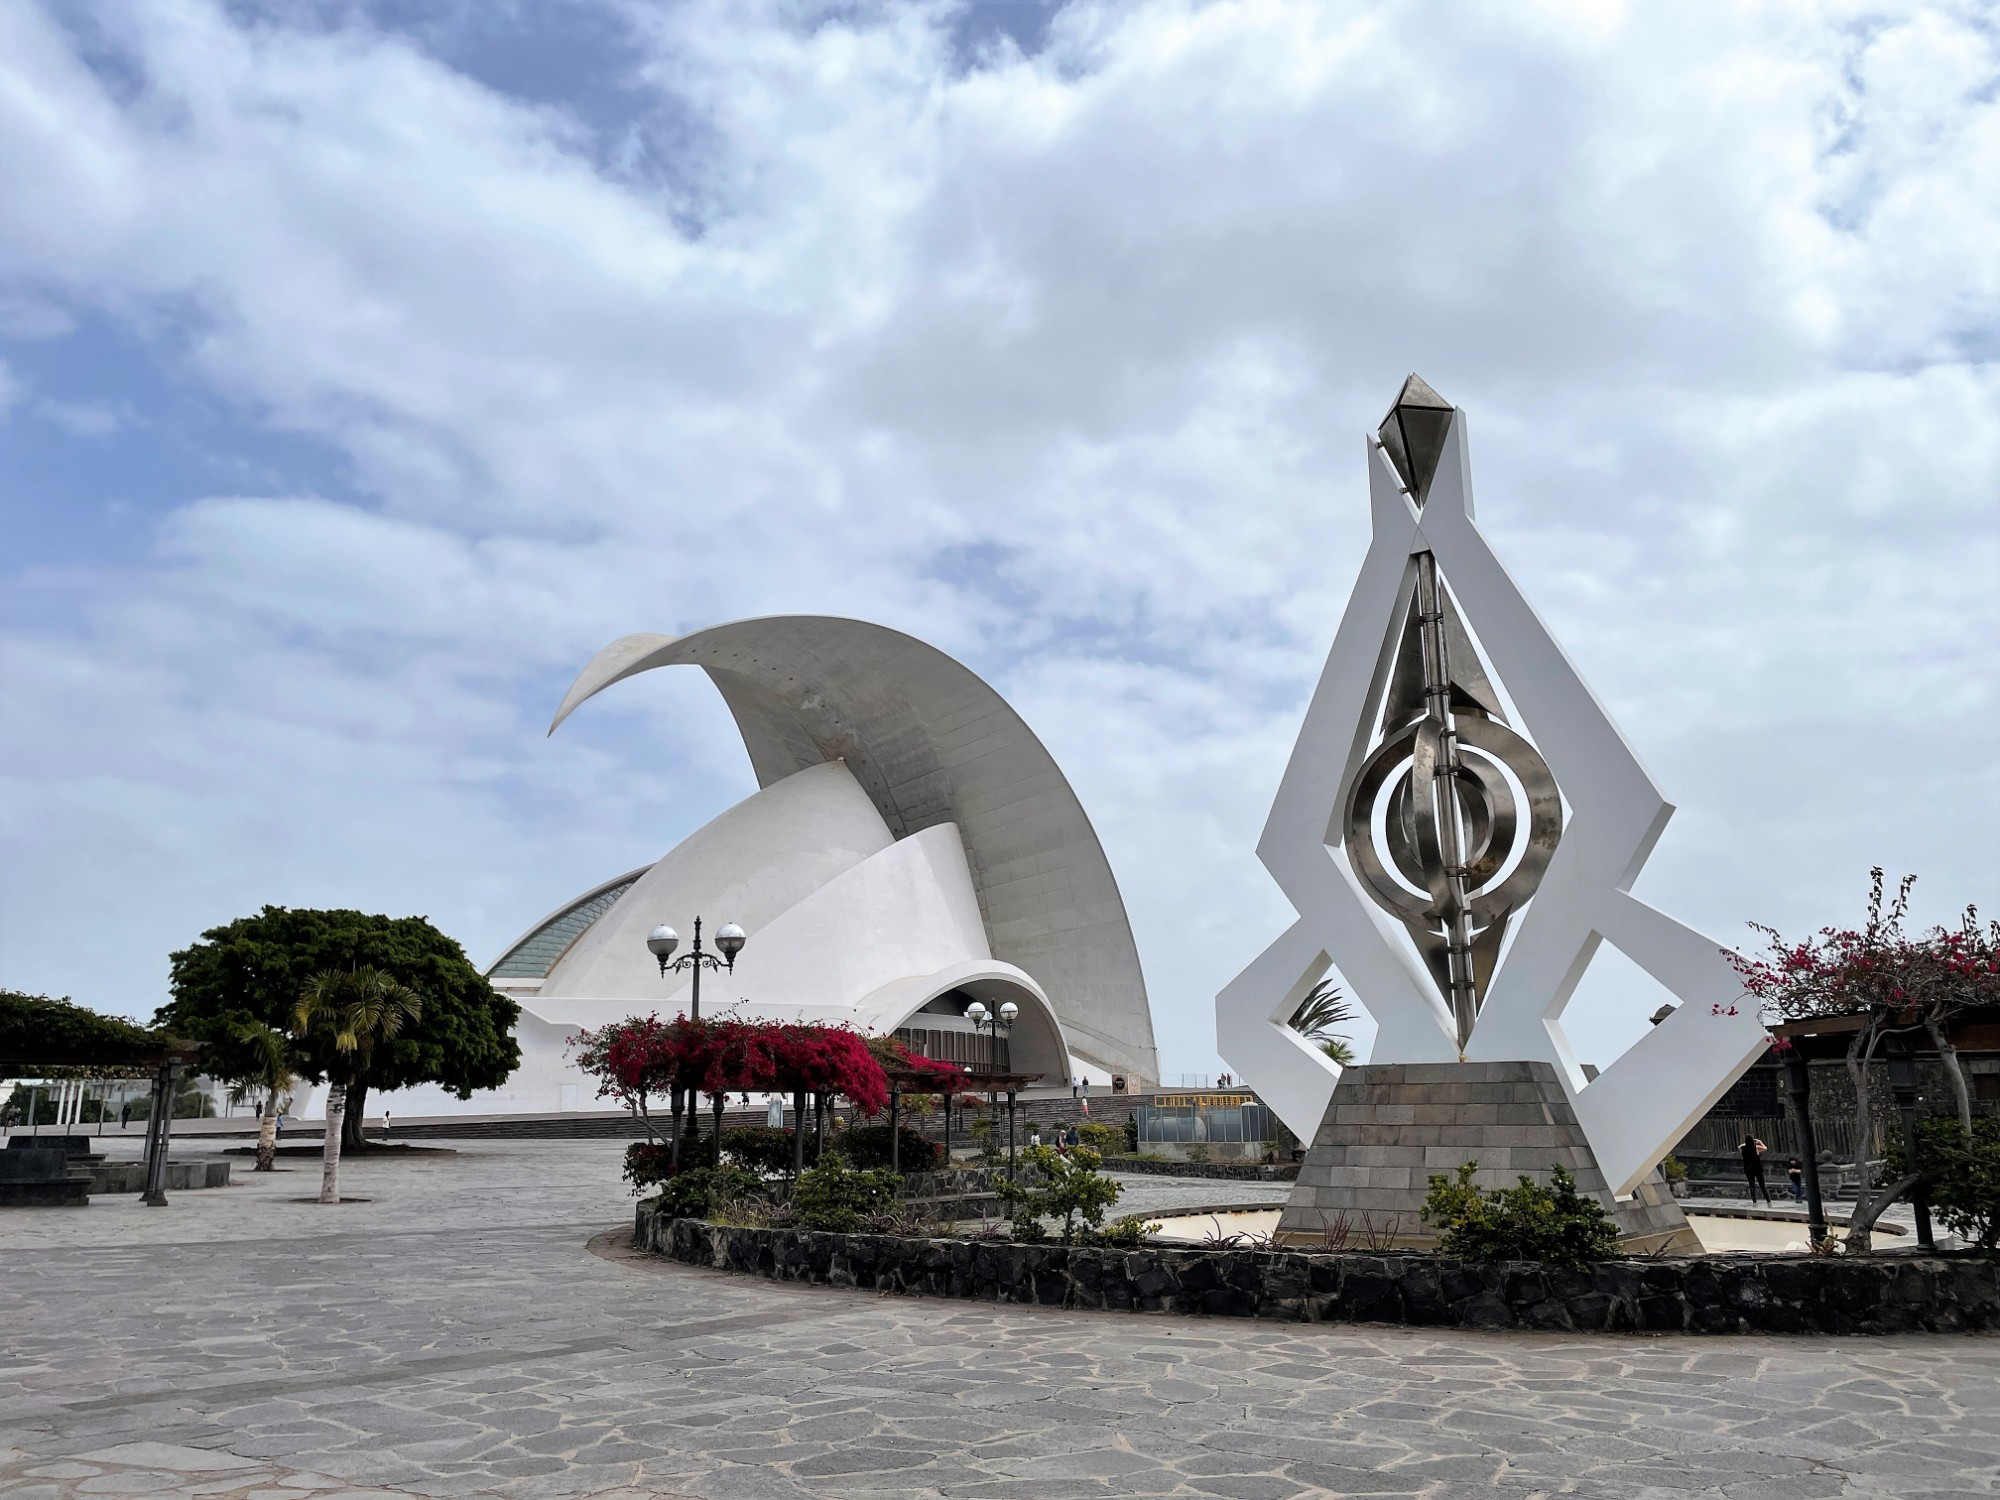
[255, 968]
[271, 1073]
[1063, 1185]
[1961, 1177]
[356, 1011]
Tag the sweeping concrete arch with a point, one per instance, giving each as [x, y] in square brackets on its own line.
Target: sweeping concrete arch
[930, 743]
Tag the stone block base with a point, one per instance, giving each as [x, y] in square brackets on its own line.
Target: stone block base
[1391, 1127]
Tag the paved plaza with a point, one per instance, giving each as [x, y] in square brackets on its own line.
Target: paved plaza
[477, 1328]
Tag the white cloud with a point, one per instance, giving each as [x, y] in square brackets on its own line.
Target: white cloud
[1061, 362]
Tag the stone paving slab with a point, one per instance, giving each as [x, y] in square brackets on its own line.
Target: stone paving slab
[458, 1336]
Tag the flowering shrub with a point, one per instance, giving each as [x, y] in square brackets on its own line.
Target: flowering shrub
[1894, 982]
[639, 1059]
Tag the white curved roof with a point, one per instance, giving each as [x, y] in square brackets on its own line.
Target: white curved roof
[931, 743]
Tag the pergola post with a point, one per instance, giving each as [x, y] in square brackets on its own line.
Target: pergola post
[895, 1134]
[1010, 1134]
[798, 1131]
[162, 1122]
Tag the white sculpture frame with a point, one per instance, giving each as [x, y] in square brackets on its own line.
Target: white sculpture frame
[1636, 1110]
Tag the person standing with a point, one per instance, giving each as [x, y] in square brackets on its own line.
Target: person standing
[1753, 1168]
[1796, 1175]
[385, 1127]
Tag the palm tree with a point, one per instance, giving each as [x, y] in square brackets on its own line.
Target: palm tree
[361, 1007]
[272, 1071]
[1317, 1015]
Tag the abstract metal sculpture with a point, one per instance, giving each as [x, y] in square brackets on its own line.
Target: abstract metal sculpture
[1470, 818]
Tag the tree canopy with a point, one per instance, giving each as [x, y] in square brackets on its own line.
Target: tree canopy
[35, 1029]
[255, 969]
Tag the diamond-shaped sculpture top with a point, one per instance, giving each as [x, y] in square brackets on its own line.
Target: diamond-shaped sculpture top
[1413, 435]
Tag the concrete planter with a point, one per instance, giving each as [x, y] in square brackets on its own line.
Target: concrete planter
[1717, 1294]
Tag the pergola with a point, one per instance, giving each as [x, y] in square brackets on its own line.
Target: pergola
[925, 1081]
[39, 1034]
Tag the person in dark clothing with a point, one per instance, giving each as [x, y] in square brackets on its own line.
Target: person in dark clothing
[1753, 1167]
[1796, 1175]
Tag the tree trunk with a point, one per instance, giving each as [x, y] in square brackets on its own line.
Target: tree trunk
[329, 1152]
[1870, 1201]
[1948, 1056]
[267, 1137]
[351, 1138]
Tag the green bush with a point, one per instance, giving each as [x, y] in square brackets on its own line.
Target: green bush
[1528, 1222]
[1066, 1186]
[1674, 1169]
[1103, 1139]
[1962, 1182]
[1127, 1233]
[697, 1190]
[762, 1149]
[868, 1146]
[648, 1164]
[832, 1194]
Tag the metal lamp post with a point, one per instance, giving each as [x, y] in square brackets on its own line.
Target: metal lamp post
[1903, 1084]
[996, 1025]
[661, 943]
[1798, 1083]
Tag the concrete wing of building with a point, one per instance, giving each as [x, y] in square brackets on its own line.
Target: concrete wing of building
[913, 846]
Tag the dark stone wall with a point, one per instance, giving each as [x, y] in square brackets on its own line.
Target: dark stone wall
[1719, 1294]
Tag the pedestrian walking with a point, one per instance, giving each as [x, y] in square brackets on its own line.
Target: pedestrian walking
[1034, 1135]
[125, 1116]
[385, 1127]
[1796, 1175]
[1753, 1167]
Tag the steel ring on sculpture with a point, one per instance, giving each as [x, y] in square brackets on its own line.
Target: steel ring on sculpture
[1487, 803]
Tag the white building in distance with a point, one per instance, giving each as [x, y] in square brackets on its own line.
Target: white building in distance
[913, 847]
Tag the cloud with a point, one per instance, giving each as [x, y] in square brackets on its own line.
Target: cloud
[1059, 359]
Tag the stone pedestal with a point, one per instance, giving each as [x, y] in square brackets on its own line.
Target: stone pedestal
[1391, 1127]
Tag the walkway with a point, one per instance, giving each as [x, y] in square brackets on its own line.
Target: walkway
[454, 1336]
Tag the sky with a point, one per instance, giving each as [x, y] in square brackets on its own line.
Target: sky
[364, 368]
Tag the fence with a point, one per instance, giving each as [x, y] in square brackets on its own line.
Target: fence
[1723, 1135]
[1223, 1119]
